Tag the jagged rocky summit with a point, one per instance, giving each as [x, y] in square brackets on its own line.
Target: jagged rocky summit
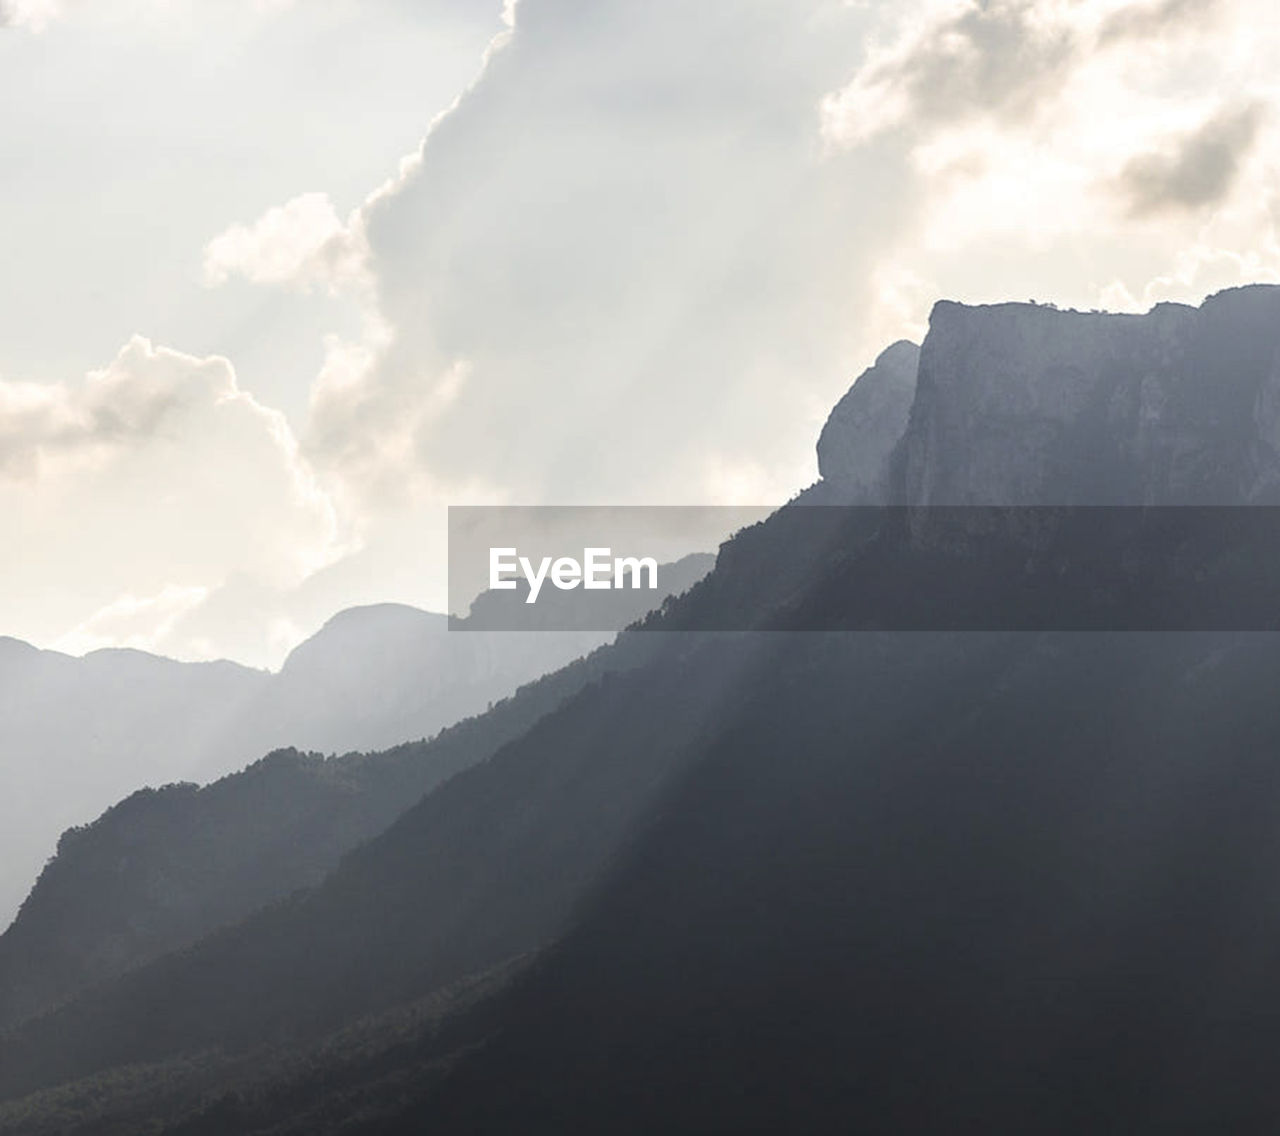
[1027, 404]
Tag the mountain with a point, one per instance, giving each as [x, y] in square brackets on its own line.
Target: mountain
[1028, 898]
[858, 440]
[1026, 405]
[376, 676]
[165, 867]
[77, 734]
[812, 882]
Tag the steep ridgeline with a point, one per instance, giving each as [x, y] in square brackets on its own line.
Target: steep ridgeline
[812, 882]
[167, 866]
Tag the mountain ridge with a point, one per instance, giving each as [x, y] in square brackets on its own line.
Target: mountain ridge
[165, 866]
[1029, 404]
[828, 882]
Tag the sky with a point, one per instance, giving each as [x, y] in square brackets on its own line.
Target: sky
[280, 281]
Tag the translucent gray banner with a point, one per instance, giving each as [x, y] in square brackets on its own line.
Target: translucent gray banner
[823, 568]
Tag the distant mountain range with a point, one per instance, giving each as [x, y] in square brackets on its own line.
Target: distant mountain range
[167, 866]
[78, 734]
[814, 882]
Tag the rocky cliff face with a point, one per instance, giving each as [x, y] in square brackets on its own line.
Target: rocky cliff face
[1024, 404]
[865, 426]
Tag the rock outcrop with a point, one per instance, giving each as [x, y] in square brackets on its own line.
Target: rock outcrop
[864, 428]
[1025, 404]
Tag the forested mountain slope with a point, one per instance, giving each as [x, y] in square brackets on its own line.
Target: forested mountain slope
[833, 881]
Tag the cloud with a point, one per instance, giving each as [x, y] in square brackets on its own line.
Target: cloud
[144, 624]
[624, 259]
[999, 58]
[1144, 21]
[1006, 61]
[147, 486]
[36, 15]
[611, 269]
[1018, 193]
[302, 243]
[1197, 169]
[122, 405]
[31, 14]
[638, 260]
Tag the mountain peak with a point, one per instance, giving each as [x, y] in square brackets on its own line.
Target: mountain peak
[1024, 403]
[865, 426]
[15, 647]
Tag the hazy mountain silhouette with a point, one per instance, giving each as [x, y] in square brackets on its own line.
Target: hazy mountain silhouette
[165, 867]
[881, 882]
[77, 734]
[376, 676]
